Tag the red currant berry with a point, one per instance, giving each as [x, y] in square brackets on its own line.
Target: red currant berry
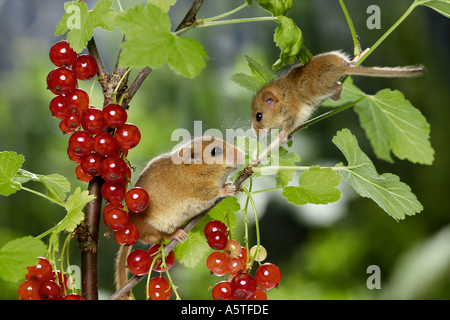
[105, 144]
[243, 255]
[232, 249]
[74, 157]
[222, 291]
[243, 286]
[213, 226]
[72, 120]
[72, 296]
[81, 175]
[162, 285]
[64, 128]
[77, 101]
[235, 266]
[112, 205]
[258, 295]
[58, 278]
[169, 258]
[61, 81]
[29, 290]
[217, 263]
[115, 219]
[139, 262]
[218, 240]
[158, 294]
[40, 272]
[113, 169]
[127, 136]
[92, 121]
[58, 107]
[113, 192]
[114, 115]
[62, 55]
[85, 67]
[128, 235]
[80, 143]
[90, 164]
[268, 276]
[136, 199]
[49, 290]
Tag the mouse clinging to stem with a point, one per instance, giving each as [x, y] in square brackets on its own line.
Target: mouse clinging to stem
[288, 101]
[181, 184]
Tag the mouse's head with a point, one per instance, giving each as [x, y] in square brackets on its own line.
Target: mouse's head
[266, 114]
[211, 151]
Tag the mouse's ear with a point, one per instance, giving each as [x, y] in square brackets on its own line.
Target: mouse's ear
[189, 156]
[269, 98]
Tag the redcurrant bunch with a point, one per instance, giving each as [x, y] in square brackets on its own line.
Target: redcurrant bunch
[139, 262]
[99, 139]
[44, 284]
[231, 258]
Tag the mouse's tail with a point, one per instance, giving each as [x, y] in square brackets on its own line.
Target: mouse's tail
[121, 266]
[408, 71]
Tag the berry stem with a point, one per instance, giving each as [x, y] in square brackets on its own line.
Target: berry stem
[163, 255]
[249, 197]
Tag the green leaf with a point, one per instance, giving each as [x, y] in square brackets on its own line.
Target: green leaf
[18, 254]
[260, 73]
[163, 4]
[442, 6]
[246, 81]
[316, 185]
[74, 207]
[10, 163]
[225, 211]
[56, 184]
[150, 42]
[276, 7]
[81, 22]
[288, 37]
[259, 77]
[393, 124]
[392, 195]
[187, 56]
[194, 248]
[282, 158]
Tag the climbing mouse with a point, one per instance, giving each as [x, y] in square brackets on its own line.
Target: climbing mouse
[180, 185]
[288, 101]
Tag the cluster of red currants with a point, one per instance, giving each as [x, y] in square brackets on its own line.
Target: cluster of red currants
[230, 257]
[45, 284]
[140, 261]
[99, 139]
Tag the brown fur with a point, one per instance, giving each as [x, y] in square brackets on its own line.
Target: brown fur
[179, 192]
[290, 100]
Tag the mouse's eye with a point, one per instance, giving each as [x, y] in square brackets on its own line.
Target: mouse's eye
[216, 151]
[258, 116]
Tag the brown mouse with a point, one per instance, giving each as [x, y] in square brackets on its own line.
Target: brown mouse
[288, 101]
[180, 185]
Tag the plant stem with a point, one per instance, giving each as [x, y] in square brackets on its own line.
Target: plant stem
[62, 204]
[226, 14]
[256, 223]
[387, 33]
[356, 46]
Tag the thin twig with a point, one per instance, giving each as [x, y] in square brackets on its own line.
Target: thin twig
[191, 15]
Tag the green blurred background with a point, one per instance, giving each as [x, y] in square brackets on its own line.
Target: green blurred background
[322, 251]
